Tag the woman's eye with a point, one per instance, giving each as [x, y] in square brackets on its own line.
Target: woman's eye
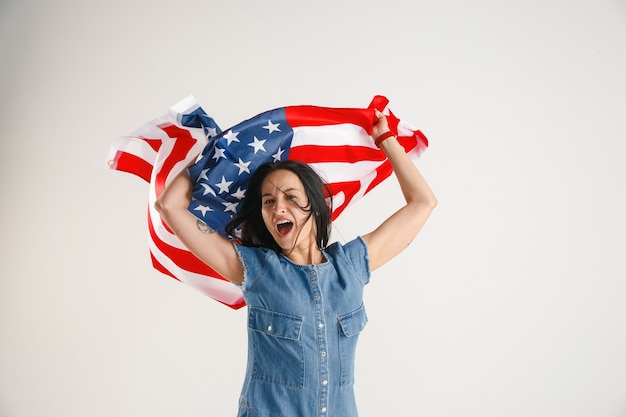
[268, 201]
[291, 197]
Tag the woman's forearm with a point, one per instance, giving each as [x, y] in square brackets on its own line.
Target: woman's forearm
[414, 187]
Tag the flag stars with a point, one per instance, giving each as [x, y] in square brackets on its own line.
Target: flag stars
[207, 189]
[230, 206]
[231, 137]
[257, 145]
[271, 127]
[243, 166]
[277, 156]
[239, 194]
[210, 132]
[223, 185]
[203, 175]
[219, 153]
[203, 209]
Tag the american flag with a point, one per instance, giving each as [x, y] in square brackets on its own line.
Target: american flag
[335, 141]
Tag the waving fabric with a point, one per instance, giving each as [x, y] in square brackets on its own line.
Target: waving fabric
[335, 141]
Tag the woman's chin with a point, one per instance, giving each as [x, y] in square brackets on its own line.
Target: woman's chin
[283, 242]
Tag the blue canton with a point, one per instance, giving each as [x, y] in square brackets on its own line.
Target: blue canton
[222, 172]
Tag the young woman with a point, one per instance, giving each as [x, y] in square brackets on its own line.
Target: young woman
[304, 298]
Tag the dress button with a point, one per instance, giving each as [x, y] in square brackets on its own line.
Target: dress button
[324, 382]
[269, 328]
[323, 353]
[317, 297]
[323, 409]
[321, 325]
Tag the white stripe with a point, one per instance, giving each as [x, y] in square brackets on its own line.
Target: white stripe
[332, 135]
[342, 171]
[405, 128]
[134, 146]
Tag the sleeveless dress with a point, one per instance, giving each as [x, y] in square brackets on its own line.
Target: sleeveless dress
[303, 326]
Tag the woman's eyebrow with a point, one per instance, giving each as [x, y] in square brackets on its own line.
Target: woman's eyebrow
[282, 191]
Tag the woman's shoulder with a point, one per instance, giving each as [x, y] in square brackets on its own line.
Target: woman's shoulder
[352, 256]
[256, 262]
[355, 245]
[252, 251]
[354, 250]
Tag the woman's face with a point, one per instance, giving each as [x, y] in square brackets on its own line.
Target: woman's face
[285, 210]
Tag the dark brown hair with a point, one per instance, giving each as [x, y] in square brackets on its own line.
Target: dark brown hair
[250, 221]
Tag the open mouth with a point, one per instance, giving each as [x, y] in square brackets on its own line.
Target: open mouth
[284, 227]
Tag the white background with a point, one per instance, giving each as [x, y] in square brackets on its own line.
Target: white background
[511, 302]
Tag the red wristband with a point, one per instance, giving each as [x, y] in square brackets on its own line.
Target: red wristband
[383, 137]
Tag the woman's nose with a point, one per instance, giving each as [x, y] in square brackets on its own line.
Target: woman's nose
[279, 207]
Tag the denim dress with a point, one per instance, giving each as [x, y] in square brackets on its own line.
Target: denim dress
[303, 326]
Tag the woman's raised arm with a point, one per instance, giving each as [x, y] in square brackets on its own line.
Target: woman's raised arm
[208, 245]
[397, 232]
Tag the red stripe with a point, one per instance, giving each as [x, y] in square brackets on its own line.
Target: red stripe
[183, 143]
[421, 139]
[130, 163]
[382, 173]
[153, 143]
[235, 306]
[349, 188]
[384, 170]
[379, 103]
[409, 142]
[183, 258]
[159, 267]
[298, 116]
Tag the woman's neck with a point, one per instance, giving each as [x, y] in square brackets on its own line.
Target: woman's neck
[306, 256]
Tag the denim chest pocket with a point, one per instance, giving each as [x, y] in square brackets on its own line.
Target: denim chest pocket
[349, 327]
[278, 351]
